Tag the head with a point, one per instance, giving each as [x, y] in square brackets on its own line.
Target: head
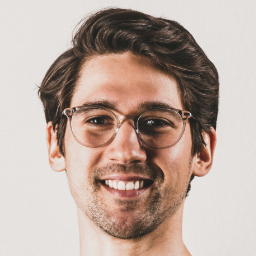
[149, 59]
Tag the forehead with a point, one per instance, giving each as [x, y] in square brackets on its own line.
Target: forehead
[126, 80]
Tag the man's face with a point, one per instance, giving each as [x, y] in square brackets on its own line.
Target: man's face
[131, 84]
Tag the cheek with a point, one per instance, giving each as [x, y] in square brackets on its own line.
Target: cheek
[80, 161]
[79, 157]
[175, 163]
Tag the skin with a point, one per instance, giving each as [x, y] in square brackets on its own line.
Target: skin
[106, 220]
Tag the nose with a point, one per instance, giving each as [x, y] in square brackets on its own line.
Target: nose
[126, 146]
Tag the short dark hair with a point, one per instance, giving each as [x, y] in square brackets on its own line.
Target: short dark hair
[165, 43]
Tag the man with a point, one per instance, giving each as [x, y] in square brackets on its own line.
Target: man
[131, 114]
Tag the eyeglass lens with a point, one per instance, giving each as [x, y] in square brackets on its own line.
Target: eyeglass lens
[157, 128]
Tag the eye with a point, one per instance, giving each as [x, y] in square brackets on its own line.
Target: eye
[155, 122]
[156, 126]
[99, 120]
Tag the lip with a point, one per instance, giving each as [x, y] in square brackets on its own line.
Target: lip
[126, 193]
[125, 177]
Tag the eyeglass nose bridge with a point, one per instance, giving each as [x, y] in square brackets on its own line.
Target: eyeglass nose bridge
[121, 119]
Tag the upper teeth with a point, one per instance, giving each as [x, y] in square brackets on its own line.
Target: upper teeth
[121, 185]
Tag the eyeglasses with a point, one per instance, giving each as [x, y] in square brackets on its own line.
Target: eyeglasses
[95, 126]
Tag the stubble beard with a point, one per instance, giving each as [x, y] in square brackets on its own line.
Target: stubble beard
[128, 222]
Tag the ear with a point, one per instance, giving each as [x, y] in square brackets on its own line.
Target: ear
[56, 159]
[203, 160]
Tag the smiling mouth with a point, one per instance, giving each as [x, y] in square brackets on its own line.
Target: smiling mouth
[127, 185]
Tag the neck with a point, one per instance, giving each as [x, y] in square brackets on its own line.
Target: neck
[166, 239]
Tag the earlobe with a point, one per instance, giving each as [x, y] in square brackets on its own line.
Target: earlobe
[204, 159]
[56, 159]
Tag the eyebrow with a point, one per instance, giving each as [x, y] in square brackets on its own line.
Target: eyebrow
[154, 104]
[113, 104]
[101, 103]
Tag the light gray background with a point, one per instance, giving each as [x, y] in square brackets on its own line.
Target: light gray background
[37, 213]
